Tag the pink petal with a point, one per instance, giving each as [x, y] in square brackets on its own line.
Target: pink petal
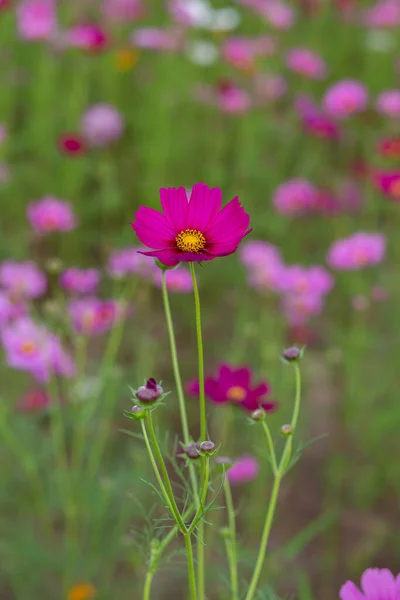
[213, 391]
[241, 377]
[175, 206]
[269, 406]
[230, 224]
[152, 228]
[203, 206]
[194, 257]
[378, 584]
[169, 257]
[349, 591]
[224, 249]
[261, 390]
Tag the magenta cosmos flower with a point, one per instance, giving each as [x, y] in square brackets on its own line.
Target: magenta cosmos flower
[177, 280]
[376, 584]
[130, 261]
[297, 279]
[92, 316]
[101, 125]
[294, 197]
[388, 103]
[22, 279]
[306, 62]
[193, 230]
[345, 98]
[389, 183]
[233, 385]
[36, 19]
[50, 214]
[245, 469]
[80, 281]
[357, 251]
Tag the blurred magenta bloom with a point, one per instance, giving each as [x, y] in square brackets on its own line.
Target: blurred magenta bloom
[384, 14]
[269, 87]
[101, 125]
[264, 265]
[233, 385]
[278, 14]
[242, 52]
[33, 401]
[71, 143]
[191, 13]
[313, 280]
[9, 309]
[390, 147]
[80, 281]
[130, 261]
[191, 230]
[122, 10]
[299, 308]
[376, 584]
[36, 19]
[177, 280]
[345, 98]
[33, 348]
[22, 280]
[89, 37]
[388, 103]
[92, 316]
[152, 38]
[357, 251]
[315, 121]
[306, 62]
[243, 470]
[50, 214]
[232, 99]
[388, 183]
[294, 197]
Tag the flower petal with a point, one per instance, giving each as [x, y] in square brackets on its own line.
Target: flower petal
[168, 256]
[152, 228]
[175, 206]
[349, 591]
[204, 205]
[230, 224]
[241, 377]
[378, 584]
[269, 406]
[214, 391]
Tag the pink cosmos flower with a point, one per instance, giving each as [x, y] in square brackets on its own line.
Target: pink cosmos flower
[388, 103]
[22, 280]
[232, 99]
[306, 62]
[243, 470]
[101, 125]
[194, 229]
[233, 386]
[10, 310]
[315, 121]
[33, 348]
[151, 38]
[376, 584]
[80, 281]
[345, 98]
[313, 280]
[278, 14]
[264, 264]
[50, 214]
[388, 183]
[177, 280]
[122, 10]
[294, 197]
[269, 87]
[390, 147]
[384, 14]
[130, 261]
[89, 37]
[36, 19]
[33, 401]
[299, 308]
[92, 316]
[71, 143]
[357, 251]
[242, 52]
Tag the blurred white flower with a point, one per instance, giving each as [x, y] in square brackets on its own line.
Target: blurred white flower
[225, 19]
[380, 41]
[202, 53]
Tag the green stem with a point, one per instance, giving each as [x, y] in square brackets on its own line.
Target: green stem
[164, 471]
[270, 447]
[191, 571]
[200, 509]
[289, 442]
[231, 540]
[203, 422]
[147, 585]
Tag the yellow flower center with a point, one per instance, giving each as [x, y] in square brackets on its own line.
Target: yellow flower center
[28, 347]
[395, 189]
[126, 59]
[82, 591]
[236, 393]
[190, 240]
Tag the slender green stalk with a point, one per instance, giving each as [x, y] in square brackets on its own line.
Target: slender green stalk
[191, 571]
[164, 471]
[270, 447]
[147, 585]
[287, 452]
[230, 541]
[200, 509]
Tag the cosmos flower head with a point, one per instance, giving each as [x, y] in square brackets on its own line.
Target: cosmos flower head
[242, 52]
[36, 19]
[384, 14]
[10, 310]
[307, 63]
[232, 99]
[178, 280]
[92, 316]
[79, 281]
[388, 103]
[388, 182]
[49, 215]
[89, 36]
[264, 265]
[131, 261]
[390, 147]
[314, 280]
[375, 584]
[243, 470]
[22, 280]
[233, 385]
[122, 10]
[315, 120]
[357, 251]
[345, 98]
[268, 87]
[300, 308]
[32, 347]
[191, 230]
[153, 38]
[33, 401]
[101, 125]
[278, 14]
[294, 197]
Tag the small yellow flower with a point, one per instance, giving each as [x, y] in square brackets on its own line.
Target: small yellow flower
[82, 591]
[126, 59]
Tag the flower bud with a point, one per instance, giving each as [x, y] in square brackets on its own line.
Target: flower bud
[150, 392]
[287, 430]
[207, 447]
[258, 415]
[163, 267]
[54, 266]
[292, 354]
[193, 451]
[137, 413]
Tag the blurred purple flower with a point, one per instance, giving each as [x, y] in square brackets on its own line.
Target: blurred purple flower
[36, 19]
[299, 308]
[232, 99]
[384, 14]
[101, 125]
[152, 38]
[33, 401]
[315, 120]
[177, 280]
[129, 261]
[92, 316]
[243, 470]
[278, 14]
[90, 37]
[50, 214]
[345, 98]
[269, 87]
[388, 183]
[294, 197]
[376, 584]
[122, 10]
[306, 62]
[314, 280]
[357, 251]
[388, 103]
[10, 310]
[264, 265]
[80, 281]
[22, 280]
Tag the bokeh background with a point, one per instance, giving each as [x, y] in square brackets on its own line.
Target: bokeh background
[103, 103]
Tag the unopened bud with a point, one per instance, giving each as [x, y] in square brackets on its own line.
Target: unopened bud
[225, 533]
[258, 415]
[287, 430]
[150, 392]
[292, 354]
[208, 447]
[138, 412]
[193, 451]
[54, 266]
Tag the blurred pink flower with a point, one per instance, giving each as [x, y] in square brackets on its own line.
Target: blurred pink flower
[36, 19]
[278, 14]
[101, 125]
[269, 87]
[92, 316]
[384, 14]
[178, 280]
[122, 10]
[71, 143]
[264, 265]
[129, 261]
[152, 38]
[294, 197]
[379, 293]
[315, 121]
[3, 134]
[360, 302]
[306, 62]
[89, 37]
[357, 251]
[191, 13]
[33, 348]
[10, 310]
[345, 98]
[389, 147]
[33, 401]
[242, 52]
[376, 584]
[22, 280]
[243, 470]
[80, 281]
[388, 103]
[314, 280]
[299, 308]
[232, 99]
[50, 214]
[388, 183]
